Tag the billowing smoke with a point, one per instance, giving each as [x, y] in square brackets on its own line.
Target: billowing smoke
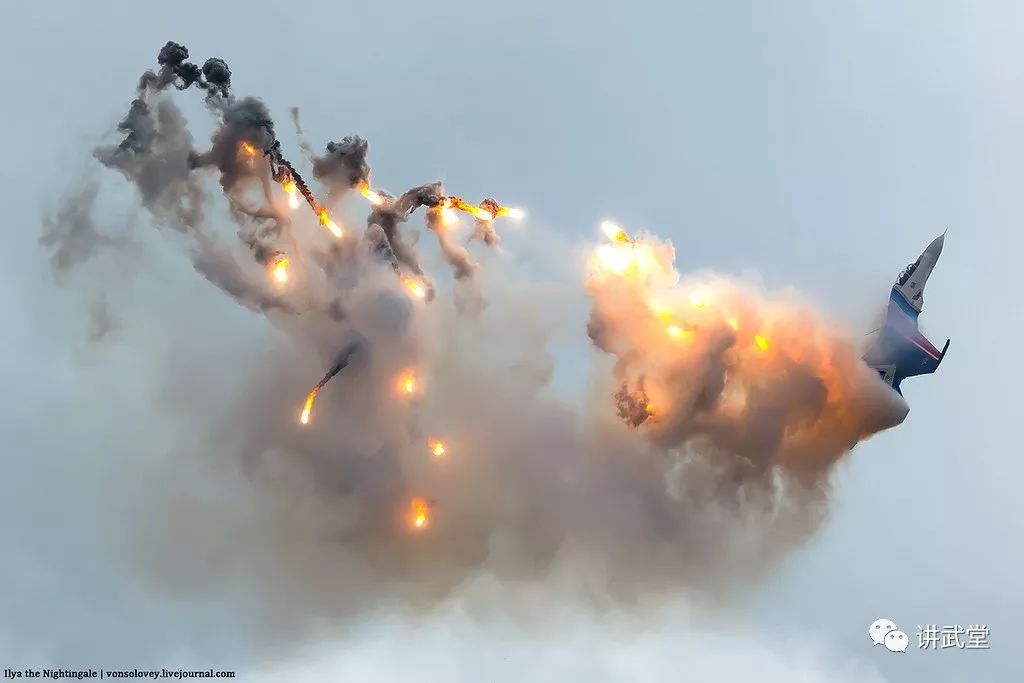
[712, 365]
[700, 460]
[343, 166]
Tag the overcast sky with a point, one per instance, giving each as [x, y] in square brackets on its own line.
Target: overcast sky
[820, 145]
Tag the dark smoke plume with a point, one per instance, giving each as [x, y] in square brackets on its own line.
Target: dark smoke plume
[343, 166]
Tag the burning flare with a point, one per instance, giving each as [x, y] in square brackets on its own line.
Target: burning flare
[614, 232]
[415, 288]
[407, 383]
[293, 193]
[248, 149]
[373, 197]
[279, 268]
[626, 256]
[461, 204]
[308, 408]
[514, 214]
[419, 513]
[437, 447]
[325, 220]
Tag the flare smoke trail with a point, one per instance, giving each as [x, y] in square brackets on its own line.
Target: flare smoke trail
[702, 459]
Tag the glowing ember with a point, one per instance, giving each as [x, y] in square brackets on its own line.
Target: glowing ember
[325, 220]
[248, 149]
[761, 342]
[308, 408]
[279, 268]
[415, 288]
[419, 513]
[436, 447]
[373, 197]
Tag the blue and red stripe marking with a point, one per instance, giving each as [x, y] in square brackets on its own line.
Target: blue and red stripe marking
[904, 318]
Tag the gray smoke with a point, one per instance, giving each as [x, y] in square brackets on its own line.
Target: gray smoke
[245, 121]
[454, 254]
[161, 164]
[392, 213]
[70, 233]
[721, 470]
[343, 166]
[304, 145]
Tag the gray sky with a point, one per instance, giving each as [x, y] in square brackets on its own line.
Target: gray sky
[820, 145]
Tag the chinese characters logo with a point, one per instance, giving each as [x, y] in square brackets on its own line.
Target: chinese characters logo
[931, 636]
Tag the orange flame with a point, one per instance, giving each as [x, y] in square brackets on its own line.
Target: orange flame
[308, 408]
[419, 513]
[415, 288]
[248, 149]
[373, 197]
[325, 220]
[761, 342]
[279, 268]
[437, 447]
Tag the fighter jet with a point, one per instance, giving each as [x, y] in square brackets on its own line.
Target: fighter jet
[901, 351]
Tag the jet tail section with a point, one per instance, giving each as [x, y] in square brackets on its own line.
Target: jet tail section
[921, 357]
[902, 352]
